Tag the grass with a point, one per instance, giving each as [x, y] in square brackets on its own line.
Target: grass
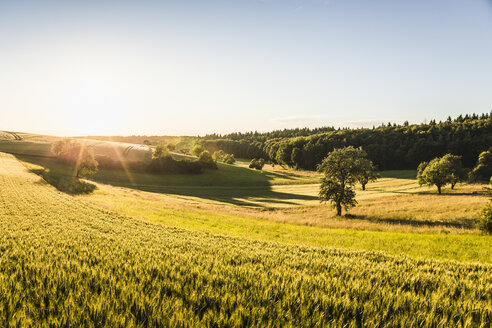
[271, 226]
[390, 204]
[40, 145]
[65, 262]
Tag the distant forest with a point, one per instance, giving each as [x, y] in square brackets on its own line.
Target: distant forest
[391, 146]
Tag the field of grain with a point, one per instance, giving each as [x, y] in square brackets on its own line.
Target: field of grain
[65, 262]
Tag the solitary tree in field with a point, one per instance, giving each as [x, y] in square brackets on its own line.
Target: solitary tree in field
[457, 172]
[79, 156]
[433, 173]
[86, 164]
[342, 169]
[367, 172]
[441, 171]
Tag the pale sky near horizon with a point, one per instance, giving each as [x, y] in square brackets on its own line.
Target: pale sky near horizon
[195, 67]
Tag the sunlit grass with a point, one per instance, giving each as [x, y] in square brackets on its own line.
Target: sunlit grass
[65, 262]
[288, 227]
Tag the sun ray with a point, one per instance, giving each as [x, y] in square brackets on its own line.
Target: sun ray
[123, 164]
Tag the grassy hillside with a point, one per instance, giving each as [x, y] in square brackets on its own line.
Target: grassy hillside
[67, 263]
[292, 226]
[40, 146]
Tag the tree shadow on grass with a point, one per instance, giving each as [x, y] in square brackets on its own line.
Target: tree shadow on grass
[462, 223]
[229, 184]
[241, 196]
[67, 184]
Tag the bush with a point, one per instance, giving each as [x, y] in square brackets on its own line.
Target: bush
[485, 223]
[168, 164]
[229, 159]
[207, 161]
[160, 151]
[218, 155]
[197, 150]
[483, 170]
[257, 163]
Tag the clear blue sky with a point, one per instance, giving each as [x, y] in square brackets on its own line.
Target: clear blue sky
[196, 67]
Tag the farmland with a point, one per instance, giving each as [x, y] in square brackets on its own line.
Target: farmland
[234, 247]
[66, 262]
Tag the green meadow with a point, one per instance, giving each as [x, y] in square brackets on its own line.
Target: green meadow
[235, 247]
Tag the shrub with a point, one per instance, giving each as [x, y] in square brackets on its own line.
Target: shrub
[257, 163]
[485, 223]
[218, 155]
[160, 151]
[229, 159]
[206, 160]
[168, 164]
[197, 150]
[483, 170]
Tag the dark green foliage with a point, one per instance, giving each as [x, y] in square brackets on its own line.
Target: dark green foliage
[197, 150]
[218, 155]
[240, 149]
[457, 173]
[229, 159]
[388, 146]
[483, 170]
[257, 164]
[167, 164]
[221, 156]
[206, 160]
[367, 172]
[336, 193]
[160, 151]
[441, 171]
[485, 223]
[342, 168]
[64, 263]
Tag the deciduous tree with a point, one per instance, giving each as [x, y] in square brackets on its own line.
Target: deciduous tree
[342, 168]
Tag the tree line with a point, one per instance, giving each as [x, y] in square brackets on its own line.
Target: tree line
[389, 146]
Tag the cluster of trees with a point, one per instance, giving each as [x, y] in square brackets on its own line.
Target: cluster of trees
[160, 160]
[449, 169]
[223, 157]
[442, 171]
[163, 162]
[257, 163]
[344, 167]
[209, 161]
[389, 146]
